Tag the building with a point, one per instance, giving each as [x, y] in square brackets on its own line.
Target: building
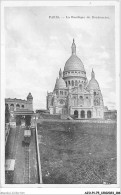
[43, 111]
[73, 95]
[110, 114]
[19, 104]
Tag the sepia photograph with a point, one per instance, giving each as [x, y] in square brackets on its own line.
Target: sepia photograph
[60, 94]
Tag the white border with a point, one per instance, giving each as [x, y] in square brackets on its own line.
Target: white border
[91, 187]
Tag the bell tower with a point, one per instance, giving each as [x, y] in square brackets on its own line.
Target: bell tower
[30, 102]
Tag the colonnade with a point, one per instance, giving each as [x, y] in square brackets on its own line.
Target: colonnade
[84, 114]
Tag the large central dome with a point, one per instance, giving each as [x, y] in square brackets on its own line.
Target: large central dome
[74, 63]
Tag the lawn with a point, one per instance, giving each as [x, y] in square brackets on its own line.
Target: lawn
[76, 153]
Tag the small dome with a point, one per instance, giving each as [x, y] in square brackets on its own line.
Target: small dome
[74, 63]
[93, 84]
[29, 96]
[60, 84]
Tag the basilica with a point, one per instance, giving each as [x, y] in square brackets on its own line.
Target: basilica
[73, 95]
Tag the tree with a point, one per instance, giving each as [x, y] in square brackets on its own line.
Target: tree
[28, 120]
[7, 114]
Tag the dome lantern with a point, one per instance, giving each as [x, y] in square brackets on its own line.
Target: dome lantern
[60, 73]
[73, 47]
[92, 74]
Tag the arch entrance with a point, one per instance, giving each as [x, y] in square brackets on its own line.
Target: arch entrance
[89, 114]
[76, 113]
[82, 114]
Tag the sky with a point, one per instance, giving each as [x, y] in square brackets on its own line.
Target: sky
[38, 45]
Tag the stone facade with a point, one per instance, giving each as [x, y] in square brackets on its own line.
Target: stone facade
[73, 94]
[18, 104]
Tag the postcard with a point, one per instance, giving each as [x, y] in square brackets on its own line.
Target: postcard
[60, 127]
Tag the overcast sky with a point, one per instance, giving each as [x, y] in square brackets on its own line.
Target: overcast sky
[37, 46]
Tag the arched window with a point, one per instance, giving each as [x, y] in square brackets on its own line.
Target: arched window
[82, 114]
[72, 83]
[74, 101]
[66, 83]
[12, 107]
[81, 100]
[61, 92]
[22, 106]
[94, 93]
[76, 83]
[80, 87]
[69, 82]
[17, 106]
